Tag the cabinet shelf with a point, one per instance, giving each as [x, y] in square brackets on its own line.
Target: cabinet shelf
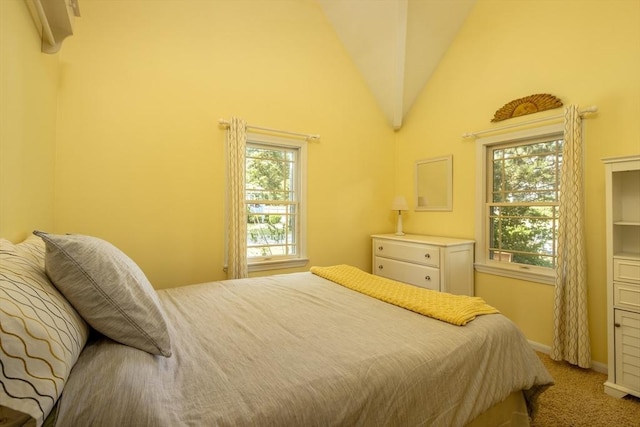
[634, 256]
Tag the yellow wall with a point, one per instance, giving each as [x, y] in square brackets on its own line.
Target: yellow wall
[28, 94]
[586, 53]
[139, 156]
[139, 152]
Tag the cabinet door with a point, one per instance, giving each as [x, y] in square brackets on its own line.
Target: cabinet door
[627, 349]
[417, 275]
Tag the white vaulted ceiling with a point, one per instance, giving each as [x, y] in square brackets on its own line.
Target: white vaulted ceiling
[396, 44]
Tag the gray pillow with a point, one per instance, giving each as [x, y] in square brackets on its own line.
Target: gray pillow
[108, 289]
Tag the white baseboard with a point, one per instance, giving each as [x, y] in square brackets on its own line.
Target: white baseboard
[596, 366]
[540, 347]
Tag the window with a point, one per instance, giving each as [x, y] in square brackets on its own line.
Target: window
[274, 194]
[518, 212]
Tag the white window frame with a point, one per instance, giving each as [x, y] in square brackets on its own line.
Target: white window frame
[300, 259]
[482, 262]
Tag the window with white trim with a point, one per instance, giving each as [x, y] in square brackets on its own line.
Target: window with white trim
[517, 216]
[275, 182]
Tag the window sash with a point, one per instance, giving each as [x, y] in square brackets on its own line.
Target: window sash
[522, 213]
[500, 259]
[499, 251]
[273, 215]
[279, 218]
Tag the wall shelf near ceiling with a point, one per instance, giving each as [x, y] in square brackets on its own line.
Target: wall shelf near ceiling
[54, 21]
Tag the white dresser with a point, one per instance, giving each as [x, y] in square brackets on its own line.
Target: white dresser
[440, 263]
[622, 184]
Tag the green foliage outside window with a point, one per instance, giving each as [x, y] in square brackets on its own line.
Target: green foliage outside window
[523, 210]
[269, 184]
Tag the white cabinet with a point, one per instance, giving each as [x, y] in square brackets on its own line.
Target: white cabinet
[622, 181]
[439, 263]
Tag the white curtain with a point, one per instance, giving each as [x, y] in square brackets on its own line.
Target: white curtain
[236, 210]
[571, 326]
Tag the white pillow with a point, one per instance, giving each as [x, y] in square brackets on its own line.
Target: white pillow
[108, 289]
[41, 334]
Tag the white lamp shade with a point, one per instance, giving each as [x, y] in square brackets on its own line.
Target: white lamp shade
[399, 204]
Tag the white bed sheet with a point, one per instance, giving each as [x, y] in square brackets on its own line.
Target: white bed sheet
[296, 349]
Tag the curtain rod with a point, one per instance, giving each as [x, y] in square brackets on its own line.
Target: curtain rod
[592, 109]
[309, 137]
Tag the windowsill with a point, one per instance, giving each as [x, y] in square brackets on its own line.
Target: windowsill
[514, 273]
[277, 264]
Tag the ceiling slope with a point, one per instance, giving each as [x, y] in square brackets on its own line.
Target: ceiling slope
[396, 44]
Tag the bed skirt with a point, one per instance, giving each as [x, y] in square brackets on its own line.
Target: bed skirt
[511, 412]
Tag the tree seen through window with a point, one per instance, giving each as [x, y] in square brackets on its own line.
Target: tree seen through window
[523, 206]
[270, 185]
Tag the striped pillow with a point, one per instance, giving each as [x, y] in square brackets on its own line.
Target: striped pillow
[41, 335]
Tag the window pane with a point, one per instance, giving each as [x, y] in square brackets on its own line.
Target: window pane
[526, 173]
[498, 181]
[523, 236]
[522, 258]
[270, 182]
[522, 217]
[269, 174]
[523, 211]
[271, 230]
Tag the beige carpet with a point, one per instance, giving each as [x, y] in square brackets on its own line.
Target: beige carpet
[578, 399]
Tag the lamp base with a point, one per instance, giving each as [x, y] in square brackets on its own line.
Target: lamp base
[399, 226]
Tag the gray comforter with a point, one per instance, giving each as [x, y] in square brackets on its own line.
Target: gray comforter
[298, 350]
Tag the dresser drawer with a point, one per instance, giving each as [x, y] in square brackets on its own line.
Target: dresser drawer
[417, 275]
[626, 270]
[626, 295]
[406, 251]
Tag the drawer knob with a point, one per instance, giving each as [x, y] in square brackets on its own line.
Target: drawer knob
[380, 248]
[380, 267]
[427, 256]
[427, 278]
[617, 325]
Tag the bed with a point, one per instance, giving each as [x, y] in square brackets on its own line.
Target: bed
[284, 350]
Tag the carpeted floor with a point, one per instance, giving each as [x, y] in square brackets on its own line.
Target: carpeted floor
[578, 400]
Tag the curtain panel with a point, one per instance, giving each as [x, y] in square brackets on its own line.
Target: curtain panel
[571, 325]
[236, 211]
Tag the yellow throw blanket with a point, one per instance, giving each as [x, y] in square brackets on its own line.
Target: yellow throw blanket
[454, 309]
